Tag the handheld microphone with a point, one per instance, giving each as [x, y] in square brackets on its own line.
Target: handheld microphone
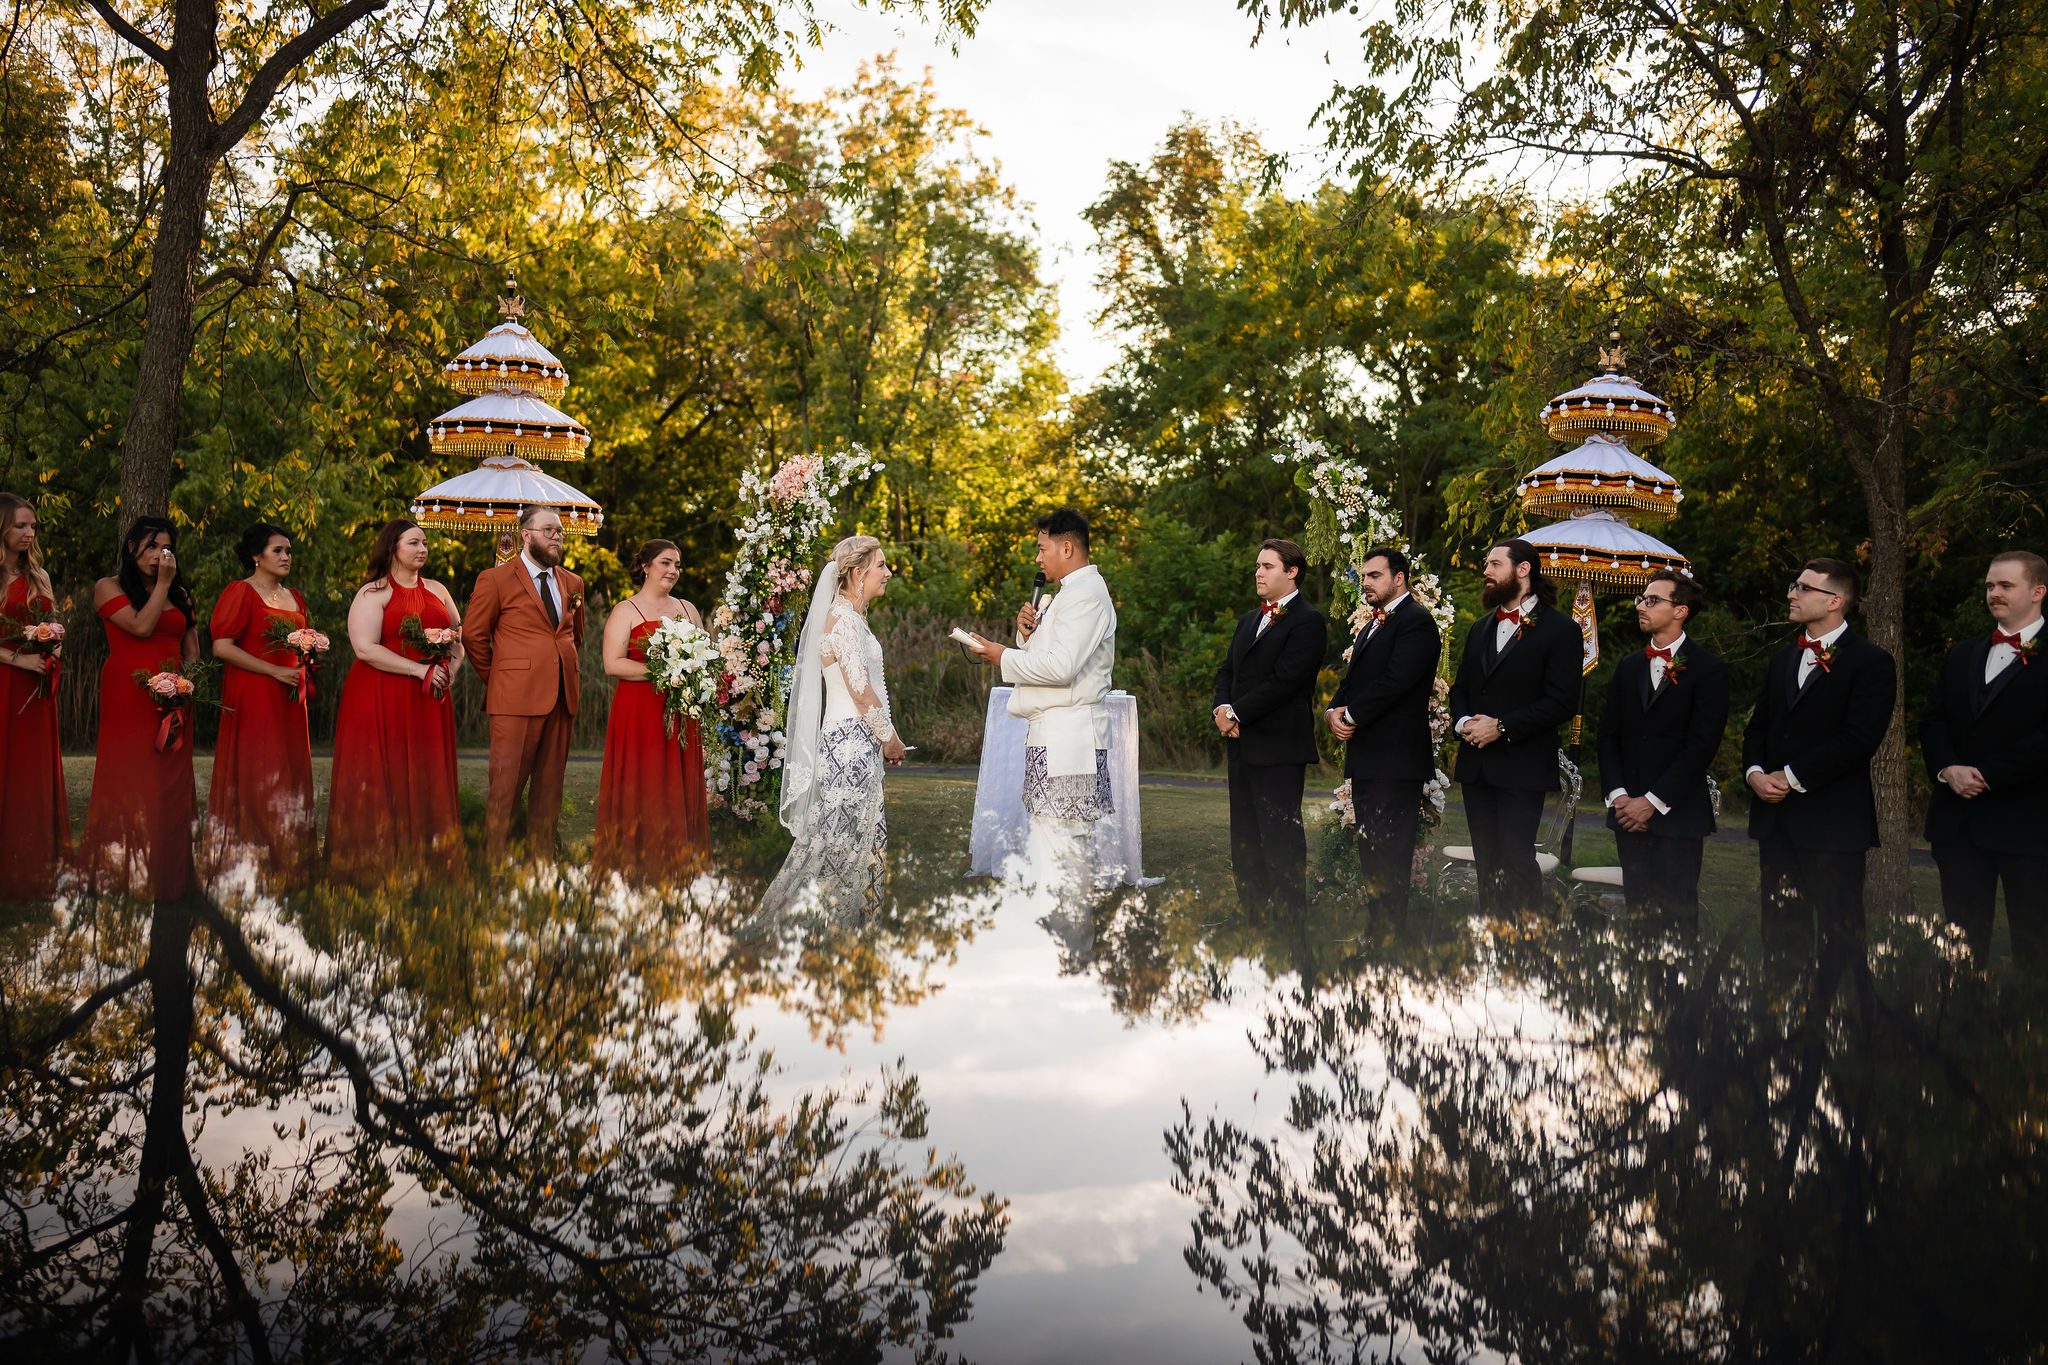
[1037, 589]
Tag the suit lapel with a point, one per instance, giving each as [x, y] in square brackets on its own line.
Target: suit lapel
[1988, 692]
[1514, 638]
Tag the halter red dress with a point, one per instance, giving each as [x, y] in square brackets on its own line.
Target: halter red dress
[261, 805]
[652, 817]
[138, 829]
[35, 819]
[393, 808]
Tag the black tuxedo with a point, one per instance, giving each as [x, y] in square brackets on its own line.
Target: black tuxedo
[1390, 756]
[1659, 742]
[1811, 844]
[1999, 728]
[1531, 686]
[1269, 680]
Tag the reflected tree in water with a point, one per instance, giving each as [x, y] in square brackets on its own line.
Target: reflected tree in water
[446, 1124]
[1617, 1145]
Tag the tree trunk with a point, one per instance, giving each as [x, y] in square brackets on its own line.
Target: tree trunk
[1884, 617]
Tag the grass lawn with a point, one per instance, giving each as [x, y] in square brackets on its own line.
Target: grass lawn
[1186, 831]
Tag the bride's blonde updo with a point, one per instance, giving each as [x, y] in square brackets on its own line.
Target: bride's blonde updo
[852, 554]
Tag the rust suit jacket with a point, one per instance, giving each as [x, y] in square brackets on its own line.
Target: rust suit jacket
[523, 661]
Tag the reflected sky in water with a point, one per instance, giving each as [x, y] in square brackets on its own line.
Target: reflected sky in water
[539, 1118]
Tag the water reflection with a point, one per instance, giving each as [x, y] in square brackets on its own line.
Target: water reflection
[444, 1123]
[1617, 1143]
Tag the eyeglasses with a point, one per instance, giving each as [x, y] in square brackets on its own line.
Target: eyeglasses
[1798, 586]
[552, 533]
[1648, 600]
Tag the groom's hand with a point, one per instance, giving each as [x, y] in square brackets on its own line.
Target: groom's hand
[988, 651]
[1027, 621]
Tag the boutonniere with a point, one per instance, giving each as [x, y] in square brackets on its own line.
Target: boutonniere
[576, 602]
[2026, 651]
[1675, 668]
[1272, 611]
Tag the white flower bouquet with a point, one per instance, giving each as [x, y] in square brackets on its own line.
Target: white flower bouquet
[684, 666]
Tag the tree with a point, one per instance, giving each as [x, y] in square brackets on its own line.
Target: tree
[618, 74]
[1876, 157]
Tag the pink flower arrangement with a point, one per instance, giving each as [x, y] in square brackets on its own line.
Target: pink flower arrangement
[172, 692]
[793, 478]
[307, 645]
[43, 638]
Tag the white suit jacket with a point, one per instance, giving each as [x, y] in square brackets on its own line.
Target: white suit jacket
[1062, 674]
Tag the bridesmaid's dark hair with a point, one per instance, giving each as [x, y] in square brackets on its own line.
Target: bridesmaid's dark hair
[387, 546]
[128, 573]
[255, 541]
[644, 557]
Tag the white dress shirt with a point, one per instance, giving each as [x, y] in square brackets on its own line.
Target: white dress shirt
[537, 573]
[1656, 681]
[1374, 629]
[1503, 631]
[2001, 657]
[1808, 661]
[1266, 619]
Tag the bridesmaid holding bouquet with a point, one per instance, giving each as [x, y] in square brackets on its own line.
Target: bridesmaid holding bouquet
[394, 804]
[652, 818]
[35, 819]
[261, 806]
[138, 829]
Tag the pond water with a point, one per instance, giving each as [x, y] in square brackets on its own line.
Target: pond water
[540, 1119]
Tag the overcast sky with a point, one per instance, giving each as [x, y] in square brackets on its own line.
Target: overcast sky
[1066, 86]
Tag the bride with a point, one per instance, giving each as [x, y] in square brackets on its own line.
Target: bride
[839, 736]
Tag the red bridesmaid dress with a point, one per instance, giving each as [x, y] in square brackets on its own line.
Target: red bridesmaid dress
[652, 817]
[393, 808]
[261, 807]
[138, 829]
[35, 819]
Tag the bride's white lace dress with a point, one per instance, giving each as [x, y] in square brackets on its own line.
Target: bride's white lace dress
[840, 862]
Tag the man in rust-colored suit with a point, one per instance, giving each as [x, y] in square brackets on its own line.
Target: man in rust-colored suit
[521, 633]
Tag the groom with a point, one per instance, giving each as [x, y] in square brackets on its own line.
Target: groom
[1060, 667]
[521, 635]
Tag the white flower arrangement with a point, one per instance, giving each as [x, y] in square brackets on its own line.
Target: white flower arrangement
[790, 509]
[685, 667]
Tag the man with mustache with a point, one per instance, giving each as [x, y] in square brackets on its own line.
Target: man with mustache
[1985, 738]
[1667, 705]
[1517, 682]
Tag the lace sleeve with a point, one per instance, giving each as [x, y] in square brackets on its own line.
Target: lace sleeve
[846, 649]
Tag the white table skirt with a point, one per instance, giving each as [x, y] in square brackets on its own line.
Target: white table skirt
[999, 820]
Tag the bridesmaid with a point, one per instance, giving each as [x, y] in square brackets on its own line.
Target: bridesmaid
[138, 829]
[393, 804]
[261, 807]
[35, 819]
[652, 820]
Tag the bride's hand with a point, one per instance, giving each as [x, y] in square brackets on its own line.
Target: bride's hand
[894, 751]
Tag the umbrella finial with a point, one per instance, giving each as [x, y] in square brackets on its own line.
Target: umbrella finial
[1613, 358]
[510, 304]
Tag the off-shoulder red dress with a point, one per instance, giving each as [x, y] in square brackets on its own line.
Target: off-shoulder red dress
[139, 827]
[261, 803]
[35, 819]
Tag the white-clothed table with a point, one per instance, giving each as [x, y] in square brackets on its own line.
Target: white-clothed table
[1000, 824]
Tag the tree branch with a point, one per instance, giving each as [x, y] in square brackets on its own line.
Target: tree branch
[133, 36]
[80, 1017]
[270, 77]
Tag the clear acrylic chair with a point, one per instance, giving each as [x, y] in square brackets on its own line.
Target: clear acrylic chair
[1455, 872]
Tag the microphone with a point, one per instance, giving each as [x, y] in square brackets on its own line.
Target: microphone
[1037, 589]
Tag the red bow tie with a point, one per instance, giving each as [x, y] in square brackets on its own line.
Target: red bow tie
[1999, 637]
[1505, 614]
[1653, 652]
[1270, 609]
[1818, 648]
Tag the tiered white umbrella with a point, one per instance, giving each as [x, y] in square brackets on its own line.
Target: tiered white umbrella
[506, 423]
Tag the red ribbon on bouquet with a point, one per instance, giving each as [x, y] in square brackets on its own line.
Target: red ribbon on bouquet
[170, 731]
[305, 684]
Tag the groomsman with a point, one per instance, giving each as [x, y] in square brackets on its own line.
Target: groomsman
[1986, 742]
[1518, 681]
[1666, 708]
[1265, 711]
[1381, 712]
[1806, 753]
